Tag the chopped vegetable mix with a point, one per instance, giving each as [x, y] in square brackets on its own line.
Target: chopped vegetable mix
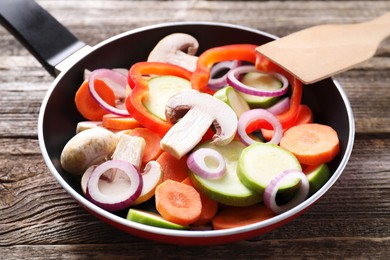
[272, 141]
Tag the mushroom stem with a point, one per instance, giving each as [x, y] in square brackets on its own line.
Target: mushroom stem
[192, 113]
[187, 132]
[131, 149]
[178, 49]
[184, 60]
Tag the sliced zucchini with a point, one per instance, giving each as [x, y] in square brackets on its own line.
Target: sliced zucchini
[161, 88]
[227, 190]
[261, 162]
[233, 98]
[260, 81]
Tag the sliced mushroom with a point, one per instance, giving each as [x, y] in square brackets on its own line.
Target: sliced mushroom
[192, 114]
[84, 125]
[131, 149]
[89, 147]
[178, 49]
[151, 177]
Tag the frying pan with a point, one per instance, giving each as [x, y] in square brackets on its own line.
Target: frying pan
[66, 58]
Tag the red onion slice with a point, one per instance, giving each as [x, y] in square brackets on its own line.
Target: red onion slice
[232, 79]
[117, 81]
[220, 82]
[273, 187]
[207, 163]
[85, 178]
[130, 186]
[249, 116]
[280, 107]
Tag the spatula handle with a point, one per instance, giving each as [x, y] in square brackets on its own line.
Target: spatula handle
[380, 26]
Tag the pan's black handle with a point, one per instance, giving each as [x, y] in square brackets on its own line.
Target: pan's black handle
[48, 40]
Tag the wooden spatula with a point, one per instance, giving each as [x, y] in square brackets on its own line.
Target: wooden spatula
[325, 50]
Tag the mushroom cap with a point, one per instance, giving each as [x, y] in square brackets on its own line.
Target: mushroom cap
[86, 148]
[225, 119]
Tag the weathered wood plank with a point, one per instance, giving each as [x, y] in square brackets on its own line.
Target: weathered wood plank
[39, 220]
[282, 17]
[322, 247]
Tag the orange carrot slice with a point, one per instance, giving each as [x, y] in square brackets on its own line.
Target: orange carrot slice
[232, 217]
[305, 115]
[209, 206]
[88, 107]
[312, 144]
[116, 122]
[178, 202]
[172, 168]
[152, 140]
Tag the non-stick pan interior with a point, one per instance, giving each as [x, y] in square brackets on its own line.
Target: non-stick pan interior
[60, 115]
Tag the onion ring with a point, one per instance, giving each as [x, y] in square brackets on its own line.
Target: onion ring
[119, 201]
[120, 92]
[218, 83]
[280, 107]
[197, 162]
[232, 79]
[273, 187]
[248, 117]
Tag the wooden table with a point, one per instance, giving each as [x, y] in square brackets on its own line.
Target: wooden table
[39, 220]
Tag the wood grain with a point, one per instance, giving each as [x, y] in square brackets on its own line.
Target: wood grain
[39, 220]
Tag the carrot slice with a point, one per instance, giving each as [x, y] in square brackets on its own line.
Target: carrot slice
[88, 107]
[209, 206]
[152, 140]
[312, 144]
[117, 122]
[172, 168]
[232, 217]
[178, 202]
[305, 115]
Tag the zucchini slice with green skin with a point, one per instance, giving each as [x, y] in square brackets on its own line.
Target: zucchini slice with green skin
[161, 88]
[317, 176]
[152, 219]
[228, 189]
[232, 98]
[260, 81]
[259, 163]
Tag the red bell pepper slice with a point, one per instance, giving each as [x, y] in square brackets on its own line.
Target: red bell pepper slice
[139, 92]
[201, 76]
[246, 52]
